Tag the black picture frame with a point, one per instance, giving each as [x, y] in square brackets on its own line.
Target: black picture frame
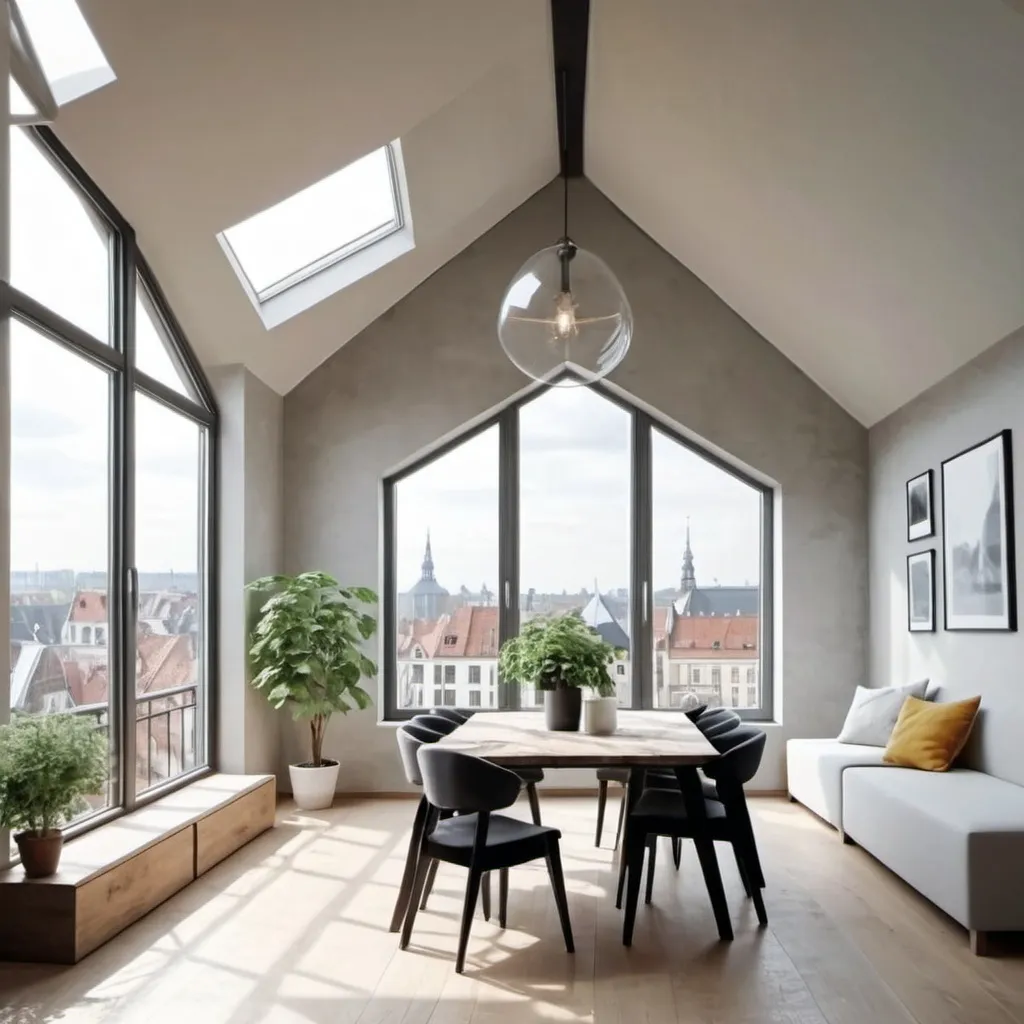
[978, 543]
[921, 490]
[918, 590]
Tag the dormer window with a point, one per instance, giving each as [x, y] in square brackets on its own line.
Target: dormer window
[450, 640]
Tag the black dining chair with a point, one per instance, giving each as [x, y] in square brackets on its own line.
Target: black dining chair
[476, 838]
[451, 714]
[446, 721]
[664, 812]
[604, 776]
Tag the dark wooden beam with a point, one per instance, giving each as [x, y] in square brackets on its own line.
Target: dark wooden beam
[570, 23]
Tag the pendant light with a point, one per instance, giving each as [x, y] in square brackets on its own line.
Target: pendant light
[564, 319]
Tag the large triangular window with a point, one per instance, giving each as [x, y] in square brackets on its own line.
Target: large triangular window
[155, 354]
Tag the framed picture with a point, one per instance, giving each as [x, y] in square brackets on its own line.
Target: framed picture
[921, 592]
[978, 543]
[920, 515]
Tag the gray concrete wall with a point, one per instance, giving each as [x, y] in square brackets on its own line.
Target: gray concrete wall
[249, 545]
[432, 363]
[972, 404]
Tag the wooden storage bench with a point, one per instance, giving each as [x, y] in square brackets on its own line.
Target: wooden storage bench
[111, 877]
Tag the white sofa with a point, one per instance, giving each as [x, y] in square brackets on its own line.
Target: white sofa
[957, 837]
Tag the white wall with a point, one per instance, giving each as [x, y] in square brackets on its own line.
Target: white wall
[249, 545]
[432, 363]
[972, 404]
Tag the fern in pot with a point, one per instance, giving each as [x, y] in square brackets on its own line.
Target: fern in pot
[561, 657]
[306, 653]
[49, 764]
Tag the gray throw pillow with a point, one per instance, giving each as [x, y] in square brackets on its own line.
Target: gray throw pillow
[873, 713]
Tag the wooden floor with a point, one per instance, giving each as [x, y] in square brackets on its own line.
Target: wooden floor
[293, 929]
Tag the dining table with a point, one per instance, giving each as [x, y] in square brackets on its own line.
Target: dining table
[642, 740]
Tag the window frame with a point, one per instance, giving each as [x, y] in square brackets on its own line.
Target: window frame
[641, 612]
[116, 357]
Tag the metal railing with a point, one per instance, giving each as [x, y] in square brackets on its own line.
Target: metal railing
[164, 755]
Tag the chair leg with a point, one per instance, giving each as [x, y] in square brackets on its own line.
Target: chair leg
[634, 858]
[759, 908]
[485, 894]
[502, 896]
[622, 816]
[554, 860]
[428, 887]
[409, 874]
[677, 851]
[741, 867]
[602, 799]
[468, 910]
[531, 793]
[423, 865]
[652, 856]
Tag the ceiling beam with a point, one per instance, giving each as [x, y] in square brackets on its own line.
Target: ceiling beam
[570, 24]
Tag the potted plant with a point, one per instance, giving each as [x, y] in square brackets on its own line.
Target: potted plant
[560, 656]
[306, 653]
[49, 764]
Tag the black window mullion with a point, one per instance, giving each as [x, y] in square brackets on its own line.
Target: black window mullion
[508, 541]
[641, 582]
[390, 609]
[125, 581]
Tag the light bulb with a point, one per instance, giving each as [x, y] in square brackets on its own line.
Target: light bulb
[565, 315]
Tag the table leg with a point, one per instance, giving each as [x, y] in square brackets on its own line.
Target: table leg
[634, 790]
[693, 797]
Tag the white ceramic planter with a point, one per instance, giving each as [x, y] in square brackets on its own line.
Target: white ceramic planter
[600, 715]
[313, 788]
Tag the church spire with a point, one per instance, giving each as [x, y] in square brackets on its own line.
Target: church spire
[688, 581]
[427, 569]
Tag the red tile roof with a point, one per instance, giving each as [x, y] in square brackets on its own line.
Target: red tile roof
[736, 636]
[88, 606]
[468, 632]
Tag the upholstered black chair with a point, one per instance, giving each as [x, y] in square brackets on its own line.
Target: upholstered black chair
[436, 722]
[451, 714]
[694, 713]
[663, 812]
[476, 838]
[604, 776]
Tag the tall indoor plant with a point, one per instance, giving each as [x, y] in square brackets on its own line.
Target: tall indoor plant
[560, 656]
[306, 653]
[49, 764]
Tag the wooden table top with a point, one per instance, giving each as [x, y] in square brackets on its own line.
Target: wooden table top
[518, 738]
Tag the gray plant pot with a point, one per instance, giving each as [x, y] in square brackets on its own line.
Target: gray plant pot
[562, 709]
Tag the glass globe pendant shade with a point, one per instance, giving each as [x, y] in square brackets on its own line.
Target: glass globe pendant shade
[565, 336]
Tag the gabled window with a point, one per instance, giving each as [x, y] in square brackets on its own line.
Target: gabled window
[55, 58]
[333, 232]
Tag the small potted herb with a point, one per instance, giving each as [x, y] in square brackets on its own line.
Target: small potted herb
[560, 656]
[307, 653]
[49, 764]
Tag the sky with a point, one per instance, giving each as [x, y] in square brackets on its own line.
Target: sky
[574, 506]
[60, 401]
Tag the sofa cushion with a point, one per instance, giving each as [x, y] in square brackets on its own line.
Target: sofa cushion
[815, 769]
[930, 736]
[957, 837]
[873, 712]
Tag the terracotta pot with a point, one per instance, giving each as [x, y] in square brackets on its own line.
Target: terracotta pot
[562, 709]
[40, 852]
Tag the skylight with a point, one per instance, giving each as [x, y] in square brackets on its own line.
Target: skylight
[330, 221]
[70, 56]
[20, 104]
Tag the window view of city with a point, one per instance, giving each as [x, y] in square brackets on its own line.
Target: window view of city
[574, 556]
[65, 631]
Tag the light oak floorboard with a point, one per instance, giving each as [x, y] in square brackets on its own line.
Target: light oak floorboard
[293, 929]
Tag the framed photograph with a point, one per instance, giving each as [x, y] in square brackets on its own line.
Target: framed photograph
[921, 592]
[920, 514]
[978, 544]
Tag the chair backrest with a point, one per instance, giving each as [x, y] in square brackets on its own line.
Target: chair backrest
[741, 753]
[719, 726]
[694, 713]
[453, 781]
[410, 738]
[435, 722]
[711, 714]
[452, 715]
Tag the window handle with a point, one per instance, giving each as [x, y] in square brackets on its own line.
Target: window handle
[643, 602]
[508, 595]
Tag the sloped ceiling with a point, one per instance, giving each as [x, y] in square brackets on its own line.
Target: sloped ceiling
[846, 175]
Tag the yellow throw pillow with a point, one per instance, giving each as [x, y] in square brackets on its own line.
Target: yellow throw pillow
[929, 736]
